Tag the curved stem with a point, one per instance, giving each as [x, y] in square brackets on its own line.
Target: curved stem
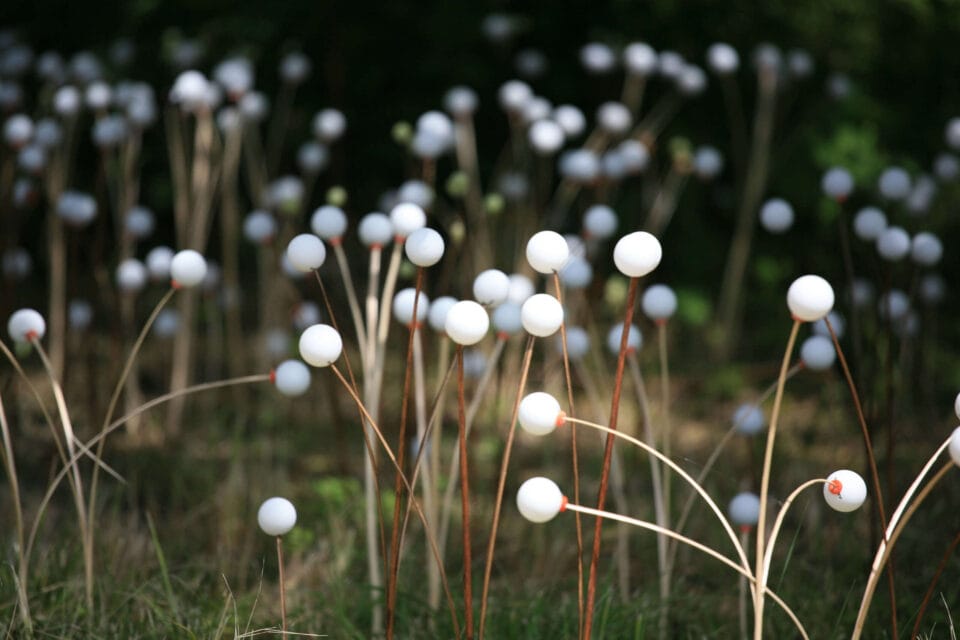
[765, 482]
[745, 572]
[341, 257]
[779, 522]
[465, 500]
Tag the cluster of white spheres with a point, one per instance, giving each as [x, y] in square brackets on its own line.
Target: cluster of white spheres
[403, 303]
[277, 516]
[869, 223]
[375, 230]
[466, 323]
[776, 215]
[187, 268]
[541, 315]
[659, 302]
[637, 254]
[539, 413]
[723, 58]
[810, 298]
[615, 338]
[837, 183]
[893, 244]
[540, 499]
[547, 252]
[744, 509]
[25, 325]
[818, 353]
[491, 287]
[306, 252]
[131, 275]
[424, 247]
[926, 249]
[748, 419]
[507, 318]
[437, 315]
[845, 490]
[292, 378]
[320, 345]
[578, 342]
[600, 222]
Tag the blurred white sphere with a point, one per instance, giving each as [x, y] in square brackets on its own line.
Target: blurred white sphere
[466, 323]
[520, 288]
[513, 95]
[946, 166]
[776, 215]
[329, 222]
[131, 276]
[578, 343]
[26, 324]
[541, 315]
[491, 287]
[744, 509]
[722, 58]
[259, 227]
[748, 419]
[507, 319]
[187, 268]
[926, 249]
[933, 288]
[418, 192]
[139, 222]
[306, 252]
[539, 413]
[692, 81]
[570, 119]
[893, 244]
[845, 490]
[17, 130]
[954, 447]
[894, 305]
[406, 218]
[836, 321]
[461, 101]
[437, 315]
[320, 345]
[577, 273]
[597, 57]
[546, 137]
[670, 64]
[80, 314]
[77, 209]
[615, 336]
[305, 314]
[817, 353]
[659, 302]
[158, 263]
[375, 230]
[614, 118]
[312, 157]
[580, 165]
[329, 125]
[707, 162]
[539, 500]
[17, 263]
[291, 378]
[634, 155]
[600, 221]
[295, 67]
[637, 254]
[837, 183]
[810, 298]
[952, 133]
[869, 223]
[276, 516]
[403, 306]
[639, 59]
[894, 183]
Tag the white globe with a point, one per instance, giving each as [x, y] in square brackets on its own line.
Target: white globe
[926, 249]
[744, 509]
[954, 447]
[329, 222]
[306, 252]
[437, 315]
[403, 306]
[614, 118]
[406, 218]
[292, 378]
[539, 413]
[188, 268]
[491, 287]
[424, 247]
[639, 59]
[541, 315]
[817, 353]
[259, 227]
[869, 223]
[659, 302]
[894, 183]
[277, 516]
[845, 490]
[546, 137]
[577, 273]
[131, 276]
[810, 298]
[320, 345]
[836, 321]
[375, 230]
[893, 244]
[547, 251]
[507, 318]
[540, 500]
[25, 325]
[776, 215]
[723, 58]
[466, 322]
[158, 263]
[748, 419]
[837, 183]
[637, 254]
[615, 337]
[521, 288]
[578, 343]
[600, 222]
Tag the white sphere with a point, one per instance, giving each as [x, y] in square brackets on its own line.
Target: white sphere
[139, 222]
[17, 130]
[320, 345]
[633, 155]
[707, 162]
[131, 276]
[329, 125]
[692, 81]
[893, 244]
[276, 516]
[306, 252]
[570, 119]
[926, 249]
[416, 191]
[424, 247]
[329, 222]
[295, 67]
[744, 509]
[956, 405]
[259, 227]
[25, 324]
[437, 314]
[491, 287]
[77, 209]
[578, 343]
[539, 413]
[817, 353]
[291, 378]
[836, 321]
[748, 419]
[723, 58]
[581, 165]
[894, 183]
[79, 314]
[466, 322]
[312, 157]
[845, 490]
[507, 318]
[375, 230]
[637, 254]
[597, 57]
[600, 221]
[615, 336]
[521, 287]
[946, 166]
[933, 288]
[837, 183]
[577, 273]
[614, 118]
[894, 305]
[158, 263]
[659, 302]
[461, 101]
[810, 298]
[776, 216]
[670, 64]
[406, 218]
[541, 315]
[547, 251]
[869, 223]
[513, 95]
[403, 306]
[546, 137]
[952, 133]
[954, 447]
[17, 263]
[187, 268]
[639, 59]
[305, 314]
[540, 499]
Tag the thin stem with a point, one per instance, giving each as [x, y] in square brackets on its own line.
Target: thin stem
[699, 547]
[341, 257]
[502, 481]
[10, 467]
[607, 454]
[933, 585]
[283, 591]
[779, 522]
[465, 500]
[765, 481]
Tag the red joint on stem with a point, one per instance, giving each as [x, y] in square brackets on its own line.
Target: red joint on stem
[399, 239]
[503, 335]
[335, 242]
[660, 322]
[376, 246]
[561, 418]
[273, 375]
[32, 335]
[835, 487]
[175, 285]
[563, 504]
[746, 528]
